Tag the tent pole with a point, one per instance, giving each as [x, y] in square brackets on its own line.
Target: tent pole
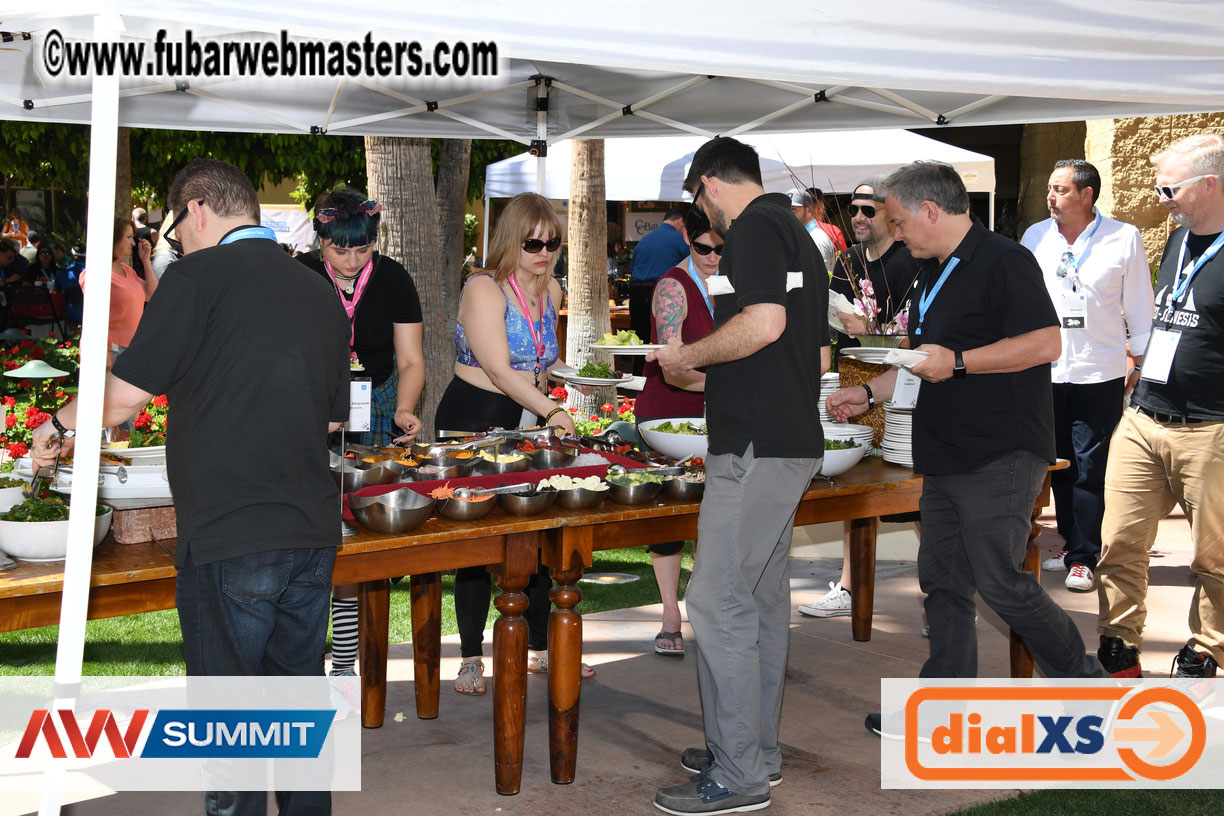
[991, 225]
[542, 137]
[484, 244]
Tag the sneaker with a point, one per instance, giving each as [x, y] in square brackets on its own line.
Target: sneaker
[1118, 659]
[892, 727]
[700, 760]
[703, 795]
[345, 692]
[836, 602]
[1079, 579]
[1191, 663]
[926, 630]
[1055, 562]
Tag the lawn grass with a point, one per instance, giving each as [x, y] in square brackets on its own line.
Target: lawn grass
[150, 644]
[1106, 803]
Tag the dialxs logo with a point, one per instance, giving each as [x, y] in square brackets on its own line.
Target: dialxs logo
[122, 744]
[1086, 734]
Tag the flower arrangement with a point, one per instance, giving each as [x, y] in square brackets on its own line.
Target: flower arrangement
[30, 403]
[865, 305]
[149, 427]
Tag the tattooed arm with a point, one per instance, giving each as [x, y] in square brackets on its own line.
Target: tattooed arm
[670, 308]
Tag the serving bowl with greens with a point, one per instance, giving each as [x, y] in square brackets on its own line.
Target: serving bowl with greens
[677, 437]
[841, 454]
[37, 529]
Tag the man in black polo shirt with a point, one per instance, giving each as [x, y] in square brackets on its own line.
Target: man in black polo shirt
[251, 349]
[762, 393]
[1169, 446]
[983, 425]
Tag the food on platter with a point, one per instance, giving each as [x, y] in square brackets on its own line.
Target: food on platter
[624, 337]
[689, 428]
[115, 459]
[53, 508]
[501, 458]
[429, 470]
[118, 445]
[461, 454]
[600, 371]
[11, 481]
[407, 461]
[628, 479]
[840, 444]
[374, 459]
[562, 482]
[448, 492]
[695, 476]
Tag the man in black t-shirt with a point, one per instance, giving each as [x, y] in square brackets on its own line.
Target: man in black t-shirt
[762, 391]
[251, 349]
[983, 425]
[1169, 446]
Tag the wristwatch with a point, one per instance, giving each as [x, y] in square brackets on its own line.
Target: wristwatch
[67, 433]
[958, 367]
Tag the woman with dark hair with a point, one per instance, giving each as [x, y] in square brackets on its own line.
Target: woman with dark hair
[384, 315]
[505, 344]
[129, 291]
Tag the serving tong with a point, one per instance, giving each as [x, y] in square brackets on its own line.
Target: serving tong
[467, 492]
[677, 469]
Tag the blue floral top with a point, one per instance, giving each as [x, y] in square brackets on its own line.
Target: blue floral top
[518, 335]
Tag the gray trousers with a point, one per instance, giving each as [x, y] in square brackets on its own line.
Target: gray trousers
[975, 529]
[738, 603]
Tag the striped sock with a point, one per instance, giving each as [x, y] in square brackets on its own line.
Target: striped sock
[344, 634]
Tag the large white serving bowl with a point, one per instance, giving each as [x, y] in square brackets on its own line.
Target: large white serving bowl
[10, 496]
[677, 446]
[45, 540]
[837, 462]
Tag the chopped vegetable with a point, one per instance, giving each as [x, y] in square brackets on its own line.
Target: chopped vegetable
[624, 337]
[601, 371]
[629, 479]
[561, 482]
[448, 492]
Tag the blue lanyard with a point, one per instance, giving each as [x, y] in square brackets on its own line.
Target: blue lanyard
[700, 286]
[811, 225]
[1180, 286]
[926, 299]
[248, 232]
[1077, 259]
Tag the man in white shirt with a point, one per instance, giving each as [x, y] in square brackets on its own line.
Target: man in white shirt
[1097, 274]
[807, 210]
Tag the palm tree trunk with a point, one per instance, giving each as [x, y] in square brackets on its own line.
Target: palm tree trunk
[123, 173]
[588, 269]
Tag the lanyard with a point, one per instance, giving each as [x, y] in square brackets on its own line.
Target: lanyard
[248, 232]
[1078, 257]
[1180, 286]
[811, 226]
[700, 286]
[350, 307]
[925, 300]
[537, 338]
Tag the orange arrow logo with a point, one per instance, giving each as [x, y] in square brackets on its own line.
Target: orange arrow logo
[1166, 734]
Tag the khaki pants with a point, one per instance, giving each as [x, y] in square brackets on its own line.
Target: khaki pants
[1152, 467]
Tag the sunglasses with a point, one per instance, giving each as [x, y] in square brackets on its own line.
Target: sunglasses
[1064, 264]
[706, 249]
[868, 210]
[534, 245]
[1170, 190]
[328, 214]
[697, 195]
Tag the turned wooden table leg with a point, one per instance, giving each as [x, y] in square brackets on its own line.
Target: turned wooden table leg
[426, 591]
[510, 665]
[1021, 660]
[373, 619]
[862, 533]
[564, 672]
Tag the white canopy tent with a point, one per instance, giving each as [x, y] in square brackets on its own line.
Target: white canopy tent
[567, 70]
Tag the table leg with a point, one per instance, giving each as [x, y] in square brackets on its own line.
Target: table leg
[510, 682]
[426, 592]
[564, 672]
[1021, 660]
[862, 533]
[373, 620]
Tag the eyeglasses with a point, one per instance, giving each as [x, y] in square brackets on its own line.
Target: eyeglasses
[1170, 190]
[1066, 264]
[46, 252]
[697, 195]
[328, 214]
[868, 210]
[706, 249]
[175, 243]
[534, 245]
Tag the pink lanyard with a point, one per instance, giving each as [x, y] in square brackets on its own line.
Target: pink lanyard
[537, 339]
[350, 307]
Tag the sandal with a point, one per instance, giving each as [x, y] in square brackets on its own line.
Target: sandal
[471, 677]
[669, 643]
[538, 664]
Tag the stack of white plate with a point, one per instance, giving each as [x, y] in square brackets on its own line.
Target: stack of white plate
[863, 434]
[896, 445]
[828, 384]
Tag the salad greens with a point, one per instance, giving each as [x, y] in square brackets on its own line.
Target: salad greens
[689, 428]
[50, 509]
[9, 481]
[627, 479]
[840, 444]
[601, 371]
[624, 337]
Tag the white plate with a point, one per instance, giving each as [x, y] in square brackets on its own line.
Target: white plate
[629, 351]
[872, 356]
[576, 380]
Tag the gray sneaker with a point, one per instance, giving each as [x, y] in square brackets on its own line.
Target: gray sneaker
[700, 760]
[703, 795]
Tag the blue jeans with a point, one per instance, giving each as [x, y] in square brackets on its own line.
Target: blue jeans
[259, 614]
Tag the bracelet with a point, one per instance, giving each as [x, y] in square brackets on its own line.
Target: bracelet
[553, 413]
[66, 433]
[870, 396]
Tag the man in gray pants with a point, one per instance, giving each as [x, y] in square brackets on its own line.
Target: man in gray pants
[762, 393]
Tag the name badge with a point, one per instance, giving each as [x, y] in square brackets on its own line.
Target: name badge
[360, 394]
[1073, 309]
[719, 285]
[1158, 358]
[905, 390]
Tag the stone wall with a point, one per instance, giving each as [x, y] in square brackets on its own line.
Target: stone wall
[1040, 146]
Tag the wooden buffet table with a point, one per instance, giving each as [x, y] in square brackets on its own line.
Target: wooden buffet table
[140, 578]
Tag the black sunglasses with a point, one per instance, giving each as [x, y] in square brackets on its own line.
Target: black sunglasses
[706, 249]
[180, 218]
[534, 245]
[868, 210]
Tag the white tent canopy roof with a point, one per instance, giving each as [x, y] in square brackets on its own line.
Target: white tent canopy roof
[653, 169]
[783, 65]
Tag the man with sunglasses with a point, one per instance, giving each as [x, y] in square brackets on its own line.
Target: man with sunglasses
[762, 396]
[1168, 448]
[1096, 272]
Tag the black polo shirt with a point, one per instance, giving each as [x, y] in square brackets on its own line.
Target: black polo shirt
[994, 292]
[892, 277]
[771, 398]
[1195, 387]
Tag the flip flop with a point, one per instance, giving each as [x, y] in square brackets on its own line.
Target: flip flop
[538, 665]
[674, 638]
[471, 677]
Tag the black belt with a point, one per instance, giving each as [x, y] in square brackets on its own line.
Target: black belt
[1167, 418]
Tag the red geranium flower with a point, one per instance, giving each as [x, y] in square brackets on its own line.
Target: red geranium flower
[594, 418]
[18, 450]
[606, 408]
[559, 393]
[160, 401]
[10, 401]
[11, 364]
[625, 409]
[142, 420]
[10, 420]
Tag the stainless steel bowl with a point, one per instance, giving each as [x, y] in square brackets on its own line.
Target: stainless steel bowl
[445, 472]
[395, 512]
[466, 510]
[634, 494]
[494, 468]
[552, 458]
[680, 490]
[579, 498]
[528, 504]
[352, 476]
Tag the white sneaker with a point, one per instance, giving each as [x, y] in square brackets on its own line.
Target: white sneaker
[1055, 562]
[836, 602]
[1079, 579]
